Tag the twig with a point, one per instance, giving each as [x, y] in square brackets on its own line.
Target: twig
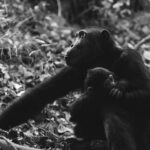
[23, 21]
[6, 144]
[142, 41]
[82, 13]
[5, 5]
[59, 8]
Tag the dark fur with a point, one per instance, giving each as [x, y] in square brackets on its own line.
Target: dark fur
[133, 81]
[93, 47]
[132, 90]
[116, 109]
[86, 112]
[96, 115]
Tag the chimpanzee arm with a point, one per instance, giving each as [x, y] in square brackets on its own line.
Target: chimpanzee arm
[34, 100]
[132, 97]
[124, 92]
[141, 96]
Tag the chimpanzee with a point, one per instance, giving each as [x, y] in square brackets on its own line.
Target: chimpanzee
[132, 89]
[86, 111]
[104, 112]
[127, 65]
[112, 109]
[95, 45]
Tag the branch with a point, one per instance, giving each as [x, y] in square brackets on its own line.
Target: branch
[6, 144]
[59, 8]
[142, 42]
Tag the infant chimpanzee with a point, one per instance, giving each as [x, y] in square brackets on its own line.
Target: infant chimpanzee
[104, 111]
[86, 112]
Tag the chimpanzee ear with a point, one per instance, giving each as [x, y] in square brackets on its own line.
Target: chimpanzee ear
[105, 35]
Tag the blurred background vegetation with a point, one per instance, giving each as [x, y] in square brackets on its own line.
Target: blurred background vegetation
[34, 35]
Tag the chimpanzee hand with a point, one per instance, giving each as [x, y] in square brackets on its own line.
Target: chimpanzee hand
[116, 88]
[119, 88]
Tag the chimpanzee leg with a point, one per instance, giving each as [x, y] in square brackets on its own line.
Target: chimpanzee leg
[118, 131]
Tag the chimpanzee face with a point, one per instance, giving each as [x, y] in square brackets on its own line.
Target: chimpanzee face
[97, 77]
[78, 51]
[87, 47]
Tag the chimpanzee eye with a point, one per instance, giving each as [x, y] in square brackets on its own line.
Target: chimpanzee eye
[82, 34]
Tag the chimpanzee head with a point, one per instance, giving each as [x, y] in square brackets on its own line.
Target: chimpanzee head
[97, 77]
[91, 46]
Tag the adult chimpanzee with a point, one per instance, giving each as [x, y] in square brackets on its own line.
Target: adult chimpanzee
[95, 45]
[131, 92]
[115, 109]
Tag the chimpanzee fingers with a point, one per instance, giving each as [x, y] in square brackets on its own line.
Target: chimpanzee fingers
[116, 93]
